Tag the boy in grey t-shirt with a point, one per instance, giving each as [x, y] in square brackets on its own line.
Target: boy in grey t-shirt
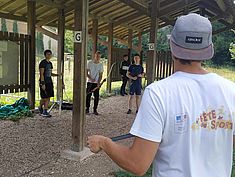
[94, 75]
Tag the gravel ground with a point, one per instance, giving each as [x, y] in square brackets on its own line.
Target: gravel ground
[32, 146]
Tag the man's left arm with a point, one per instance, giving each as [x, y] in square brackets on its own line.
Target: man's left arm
[136, 159]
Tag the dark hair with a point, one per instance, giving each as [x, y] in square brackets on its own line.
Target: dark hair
[125, 55]
[136, 55]
[97, 52]
[187, 62]
[47, 51]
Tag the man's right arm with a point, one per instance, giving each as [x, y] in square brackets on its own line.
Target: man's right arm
[41, 70]
[129, 76]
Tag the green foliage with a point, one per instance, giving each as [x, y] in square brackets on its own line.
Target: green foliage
[69, 41]
[232, 48]
[222, 42]
[126, 174]
[39, 43]
[15, 27]
[4, 25]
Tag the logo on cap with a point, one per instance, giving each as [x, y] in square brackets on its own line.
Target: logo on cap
[193, 40]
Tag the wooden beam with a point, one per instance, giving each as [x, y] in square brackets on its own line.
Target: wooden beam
[69, 7]
[143, 10]
[60, 53]
[94, 36]
[151, 62]
[79, 80]
[51, 3]
[130, 37]
[31, 7]
[110, 48]
[7, 4]
[13, 17]
[139, 42]
[47, 32]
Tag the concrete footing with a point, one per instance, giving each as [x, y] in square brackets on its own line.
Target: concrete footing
[76, 156]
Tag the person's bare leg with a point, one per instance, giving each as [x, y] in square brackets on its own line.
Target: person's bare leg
[130, 104]
[46, 103]
[137, 102]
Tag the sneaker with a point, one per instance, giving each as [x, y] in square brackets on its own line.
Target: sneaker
[96, 113]
[40, 110]
[126, 93]
[46, 114]
[87, 111]
[129, 111]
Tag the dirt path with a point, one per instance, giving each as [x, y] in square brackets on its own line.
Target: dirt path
[32, 146]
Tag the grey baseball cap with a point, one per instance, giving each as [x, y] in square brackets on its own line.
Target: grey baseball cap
[191, 38]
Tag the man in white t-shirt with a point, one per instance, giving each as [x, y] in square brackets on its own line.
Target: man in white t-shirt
[94, 75]
[185, 124]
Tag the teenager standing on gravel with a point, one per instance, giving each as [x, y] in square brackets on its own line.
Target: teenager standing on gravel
[94, 75]
[46, 84]
[123, 70]
[185, 124]
[135, 73]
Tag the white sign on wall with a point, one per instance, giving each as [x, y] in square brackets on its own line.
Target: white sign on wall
[151, 46]
[78, 36]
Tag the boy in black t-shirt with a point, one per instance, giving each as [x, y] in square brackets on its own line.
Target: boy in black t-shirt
[46, 84]
[135, 73]
[123, 70]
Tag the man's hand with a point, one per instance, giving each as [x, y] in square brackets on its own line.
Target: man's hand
[134, 78]
[140, 75]
[95, 143]
[43, 87]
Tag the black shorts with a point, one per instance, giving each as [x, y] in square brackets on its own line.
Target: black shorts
[49, 92]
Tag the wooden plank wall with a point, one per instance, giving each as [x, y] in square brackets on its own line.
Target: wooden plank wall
[164, 65]
[24, 43]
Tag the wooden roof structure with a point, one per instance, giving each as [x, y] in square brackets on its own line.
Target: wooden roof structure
[124, 14]
[120, 19]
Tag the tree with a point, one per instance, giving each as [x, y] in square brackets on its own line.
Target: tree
[232, 48]
[4, 25]
[15, 27]
[69, 41]
[222, 43]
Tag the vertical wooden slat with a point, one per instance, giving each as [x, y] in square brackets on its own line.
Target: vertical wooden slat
[167, 64]
[26, 60]
[164, 64]
[22, 61]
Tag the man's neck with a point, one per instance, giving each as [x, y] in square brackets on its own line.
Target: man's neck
[47, 59]
[95, 61]
[193, 68]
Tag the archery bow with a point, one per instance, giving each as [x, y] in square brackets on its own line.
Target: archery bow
[104, 80]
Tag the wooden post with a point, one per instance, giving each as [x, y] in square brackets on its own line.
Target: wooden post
[79, 80]
[139, 42]
[130, 37]
[110, 49]
[94, 36]
[151, 61]
[60, 52]
[31, 8]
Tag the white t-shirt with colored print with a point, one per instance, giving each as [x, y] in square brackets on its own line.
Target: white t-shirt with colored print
[192, 116]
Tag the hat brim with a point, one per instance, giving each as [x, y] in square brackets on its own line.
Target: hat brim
[188, 54]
